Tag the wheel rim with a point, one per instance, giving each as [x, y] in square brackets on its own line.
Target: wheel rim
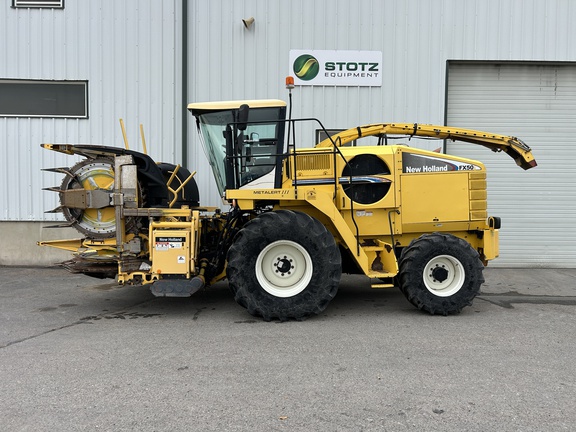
[98, 175]
[444, 275]
[284, 268]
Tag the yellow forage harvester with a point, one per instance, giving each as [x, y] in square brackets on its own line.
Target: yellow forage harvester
[298, 217]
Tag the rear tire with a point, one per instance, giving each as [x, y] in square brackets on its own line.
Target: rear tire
[440, 273]
[284, 265]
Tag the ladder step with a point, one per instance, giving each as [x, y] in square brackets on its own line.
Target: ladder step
[382, 285]
[373, 248]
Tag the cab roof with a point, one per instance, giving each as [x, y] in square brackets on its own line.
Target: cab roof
[199, 108]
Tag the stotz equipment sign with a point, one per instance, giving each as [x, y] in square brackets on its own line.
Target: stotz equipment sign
[336, 68]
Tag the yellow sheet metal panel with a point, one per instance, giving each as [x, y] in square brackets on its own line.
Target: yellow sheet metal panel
[478, 205]
[478, 215]
[478, 194]
[434, 197]
[491, 244]
[170, 251]
[477, 184]
[372, 221]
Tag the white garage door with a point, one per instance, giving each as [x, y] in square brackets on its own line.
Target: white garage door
[537, 103]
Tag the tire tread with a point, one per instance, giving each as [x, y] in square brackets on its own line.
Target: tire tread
[272, 226]
[416, 255]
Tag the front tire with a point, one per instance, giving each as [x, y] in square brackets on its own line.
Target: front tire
[284, 265]
[440, 273]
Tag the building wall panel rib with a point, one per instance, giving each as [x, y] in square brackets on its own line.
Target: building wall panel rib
[128, 51]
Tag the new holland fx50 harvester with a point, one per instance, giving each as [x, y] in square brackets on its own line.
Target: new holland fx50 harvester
[298, 217]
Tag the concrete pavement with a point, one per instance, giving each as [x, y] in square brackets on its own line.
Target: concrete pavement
[83, 354]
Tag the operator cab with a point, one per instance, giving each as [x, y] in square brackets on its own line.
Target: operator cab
[243, 140]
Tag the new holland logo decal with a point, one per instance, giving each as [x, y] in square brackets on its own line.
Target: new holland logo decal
[415, 163]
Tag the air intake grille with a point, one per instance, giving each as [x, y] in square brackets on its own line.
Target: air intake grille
[478, 196]
[314, 165]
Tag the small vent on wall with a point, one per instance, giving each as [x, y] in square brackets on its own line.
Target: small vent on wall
[53, 4]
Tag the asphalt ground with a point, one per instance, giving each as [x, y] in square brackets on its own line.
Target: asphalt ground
[81, 354]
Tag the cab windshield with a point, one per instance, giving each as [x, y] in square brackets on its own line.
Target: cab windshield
[254, 151]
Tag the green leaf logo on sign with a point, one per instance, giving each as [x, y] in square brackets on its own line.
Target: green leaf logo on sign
[306, 67]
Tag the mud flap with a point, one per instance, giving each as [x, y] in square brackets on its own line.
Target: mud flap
[491, 244]
[177, 287]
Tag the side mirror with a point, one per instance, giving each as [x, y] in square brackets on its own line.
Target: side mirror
[242, 117]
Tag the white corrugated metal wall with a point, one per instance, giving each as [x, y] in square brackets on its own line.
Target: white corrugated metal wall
[416, 39]
[130, 53]
[537, 101]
